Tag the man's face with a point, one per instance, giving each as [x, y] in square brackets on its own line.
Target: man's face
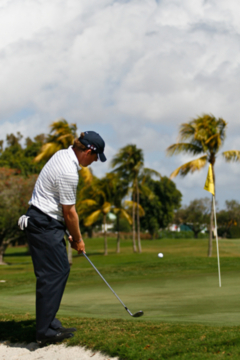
[88, 158]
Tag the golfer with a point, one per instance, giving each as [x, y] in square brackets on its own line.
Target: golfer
[52, 211]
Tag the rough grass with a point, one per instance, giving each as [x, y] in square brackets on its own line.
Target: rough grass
[131, 340]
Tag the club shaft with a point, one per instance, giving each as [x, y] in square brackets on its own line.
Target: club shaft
[85, 255]
[107, 283]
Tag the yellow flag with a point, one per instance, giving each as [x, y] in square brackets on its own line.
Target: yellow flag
[209, 184]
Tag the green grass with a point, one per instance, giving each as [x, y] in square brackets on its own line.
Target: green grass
[185, 311]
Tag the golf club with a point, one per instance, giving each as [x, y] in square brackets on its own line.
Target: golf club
[137, 314]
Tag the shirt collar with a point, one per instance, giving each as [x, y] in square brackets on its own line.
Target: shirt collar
[73, 156]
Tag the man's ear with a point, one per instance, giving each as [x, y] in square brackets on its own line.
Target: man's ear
[88, 151]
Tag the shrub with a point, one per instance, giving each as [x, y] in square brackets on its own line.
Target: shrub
[166, 234]
[234, 232]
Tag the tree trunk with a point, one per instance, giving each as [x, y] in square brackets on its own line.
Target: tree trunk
[105, 236]
[1, 257]
[210, 231]
[133, 224]
[69, 253]
[138, 222]
[196, 234]
[90, 232]
[118, 235]
[3, 248]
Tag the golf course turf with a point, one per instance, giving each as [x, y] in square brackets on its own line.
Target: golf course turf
[186, 314]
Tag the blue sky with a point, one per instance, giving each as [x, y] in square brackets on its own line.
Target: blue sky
[131, 70]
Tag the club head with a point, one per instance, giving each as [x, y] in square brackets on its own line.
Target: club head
[138, 314]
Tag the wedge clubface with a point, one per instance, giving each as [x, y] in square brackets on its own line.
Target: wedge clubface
[137, 314]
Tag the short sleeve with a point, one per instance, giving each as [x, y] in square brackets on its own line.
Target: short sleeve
[67, 187]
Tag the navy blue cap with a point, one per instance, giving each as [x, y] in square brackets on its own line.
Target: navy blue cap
[93, 141]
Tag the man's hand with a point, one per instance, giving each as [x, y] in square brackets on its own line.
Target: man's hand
[77, 245]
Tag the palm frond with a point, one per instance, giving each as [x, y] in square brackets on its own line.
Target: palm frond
[187, 130]
[130, 204]
[213, 137]
[190, 166]
[106, 208]
[47, 151]
[150, 172]
[61, 126]
[184, 148]
[123, 213]
[86, 174]
[61, 137]
[146, 191]
[128, 161]
[222, 124]
[88, 202]
[232, 155]
[66, 136]
[84, 206]
[210, 132]
[213, 143]
[91, 219]
[118, 169]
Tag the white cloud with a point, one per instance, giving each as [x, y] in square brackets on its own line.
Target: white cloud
[139, 67]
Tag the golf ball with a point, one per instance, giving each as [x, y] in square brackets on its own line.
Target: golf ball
[160, 255]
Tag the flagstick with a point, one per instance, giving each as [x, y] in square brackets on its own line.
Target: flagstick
[215, 219]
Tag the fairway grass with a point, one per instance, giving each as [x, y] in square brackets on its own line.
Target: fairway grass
[185, 311]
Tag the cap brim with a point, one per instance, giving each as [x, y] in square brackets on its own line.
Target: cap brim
[102, 157]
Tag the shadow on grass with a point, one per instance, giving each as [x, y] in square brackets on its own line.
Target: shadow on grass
[26, 253]
[18, 331]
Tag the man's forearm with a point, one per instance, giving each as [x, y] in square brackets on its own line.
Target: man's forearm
[72, 223]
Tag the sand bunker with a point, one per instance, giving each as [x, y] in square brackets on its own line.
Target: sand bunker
[52, 352]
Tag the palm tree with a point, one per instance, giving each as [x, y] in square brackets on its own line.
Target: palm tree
[128, 205]
[98, 208]
[85, 192]
[107, 193]
[61, 136]
[205, 135]
[94, 201]
[121, 212]
[128, 163]
[116, 189]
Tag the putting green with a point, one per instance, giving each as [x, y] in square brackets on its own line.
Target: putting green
[196, 299]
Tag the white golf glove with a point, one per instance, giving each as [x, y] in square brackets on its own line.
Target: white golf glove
[23, 222]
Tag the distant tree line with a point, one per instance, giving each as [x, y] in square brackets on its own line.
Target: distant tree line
[139, 197]
[196, 217]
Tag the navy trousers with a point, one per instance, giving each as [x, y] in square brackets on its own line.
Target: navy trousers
[48, 250]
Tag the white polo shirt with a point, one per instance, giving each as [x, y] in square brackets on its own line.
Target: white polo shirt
[57, 184]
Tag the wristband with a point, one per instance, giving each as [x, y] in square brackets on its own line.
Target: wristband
[77, 241]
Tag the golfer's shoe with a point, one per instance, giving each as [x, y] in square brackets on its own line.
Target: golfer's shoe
[54, 339]
[62, 329]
